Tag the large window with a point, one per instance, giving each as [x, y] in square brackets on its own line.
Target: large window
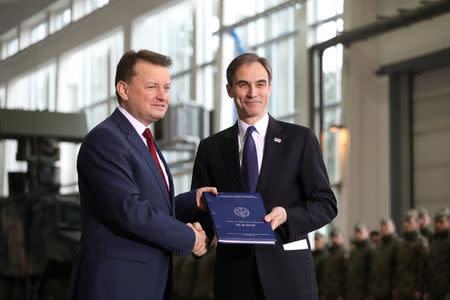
[34, 29]
[268, 28]
[170, 32]
[60, 18]
[89, 85]
[82, 8]
[325, 22]
[185, 33]
[33, 91]
[2, 96]
[86, 83]
[9, 43]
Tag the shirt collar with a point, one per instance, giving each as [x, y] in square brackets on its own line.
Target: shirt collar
[261, 126]
[136, 124]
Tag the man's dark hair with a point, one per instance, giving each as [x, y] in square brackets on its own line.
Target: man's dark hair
[245, 59]
[125, 67]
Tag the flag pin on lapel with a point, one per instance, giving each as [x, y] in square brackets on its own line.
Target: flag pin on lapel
[277, 140]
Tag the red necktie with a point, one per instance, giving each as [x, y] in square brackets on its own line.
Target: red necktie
[151, 146]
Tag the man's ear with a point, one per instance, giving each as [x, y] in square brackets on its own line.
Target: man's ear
[122, 90]
[228, 87]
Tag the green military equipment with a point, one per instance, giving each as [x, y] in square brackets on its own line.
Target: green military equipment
[40, 228]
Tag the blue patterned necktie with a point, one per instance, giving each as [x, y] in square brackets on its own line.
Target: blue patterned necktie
[250, 162]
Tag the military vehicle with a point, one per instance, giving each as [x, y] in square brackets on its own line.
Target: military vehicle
[39, 228]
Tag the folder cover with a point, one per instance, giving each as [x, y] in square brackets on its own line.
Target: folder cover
[239, 218]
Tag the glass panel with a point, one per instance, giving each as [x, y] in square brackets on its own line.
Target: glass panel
[332, 117]
[82, 8]
[326, 9]
[39, 32]
[326, 31]
[33, 91]
[67, 166]
[281, 56]
[100, 3]
[88, 81]
[180, 89]
[332, 66]
[18, 87]
[96, 114]
[182, 183]
[2, 96]
[61, 19]
[9, 148]
[207, 22]
[169, 32]
[236, 10]
[12, 47]
[263, 29]
[206, 78]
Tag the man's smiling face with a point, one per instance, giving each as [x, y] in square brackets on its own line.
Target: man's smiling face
[251, 91]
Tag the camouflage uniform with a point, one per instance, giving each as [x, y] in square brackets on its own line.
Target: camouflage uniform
[318, 259]
[411, 263]
[425, 230]
[382, 271]
[427, 233]
[334, 270]
[358, 270]
[184, 273]
[439, 266]
[203, 285]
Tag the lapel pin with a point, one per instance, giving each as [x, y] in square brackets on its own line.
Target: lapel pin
[277, 140]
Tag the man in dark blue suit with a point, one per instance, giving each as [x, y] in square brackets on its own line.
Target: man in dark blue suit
[286, 167]
[131, 221]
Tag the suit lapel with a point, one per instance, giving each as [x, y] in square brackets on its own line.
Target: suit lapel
[230, 155]
[169, 175]
[133, 137]
[273, 146]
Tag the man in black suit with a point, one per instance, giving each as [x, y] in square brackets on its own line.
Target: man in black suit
[291, 179]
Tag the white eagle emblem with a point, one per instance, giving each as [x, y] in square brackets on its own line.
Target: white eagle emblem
[241, 212]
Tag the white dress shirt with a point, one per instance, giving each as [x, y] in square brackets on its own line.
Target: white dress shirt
[140, 130]
[258, 136]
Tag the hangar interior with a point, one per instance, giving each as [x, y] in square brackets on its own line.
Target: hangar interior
[370, 77]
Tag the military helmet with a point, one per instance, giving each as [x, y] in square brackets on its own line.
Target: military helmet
[443, 213]
[411, 214]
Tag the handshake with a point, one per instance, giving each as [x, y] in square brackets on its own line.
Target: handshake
[201, 241]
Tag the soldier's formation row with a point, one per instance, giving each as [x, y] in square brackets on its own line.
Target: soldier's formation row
[413, 266]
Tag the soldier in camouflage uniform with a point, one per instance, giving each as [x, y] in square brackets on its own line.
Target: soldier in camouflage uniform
[375, 237]
[411, 261]
[424, 225]
[438, 287]
[334, 268]
[382, 271]
[203, 285]
[318, 255]
[184, 273]
[359, 263]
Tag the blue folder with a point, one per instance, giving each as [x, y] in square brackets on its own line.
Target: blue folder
[239, 218]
